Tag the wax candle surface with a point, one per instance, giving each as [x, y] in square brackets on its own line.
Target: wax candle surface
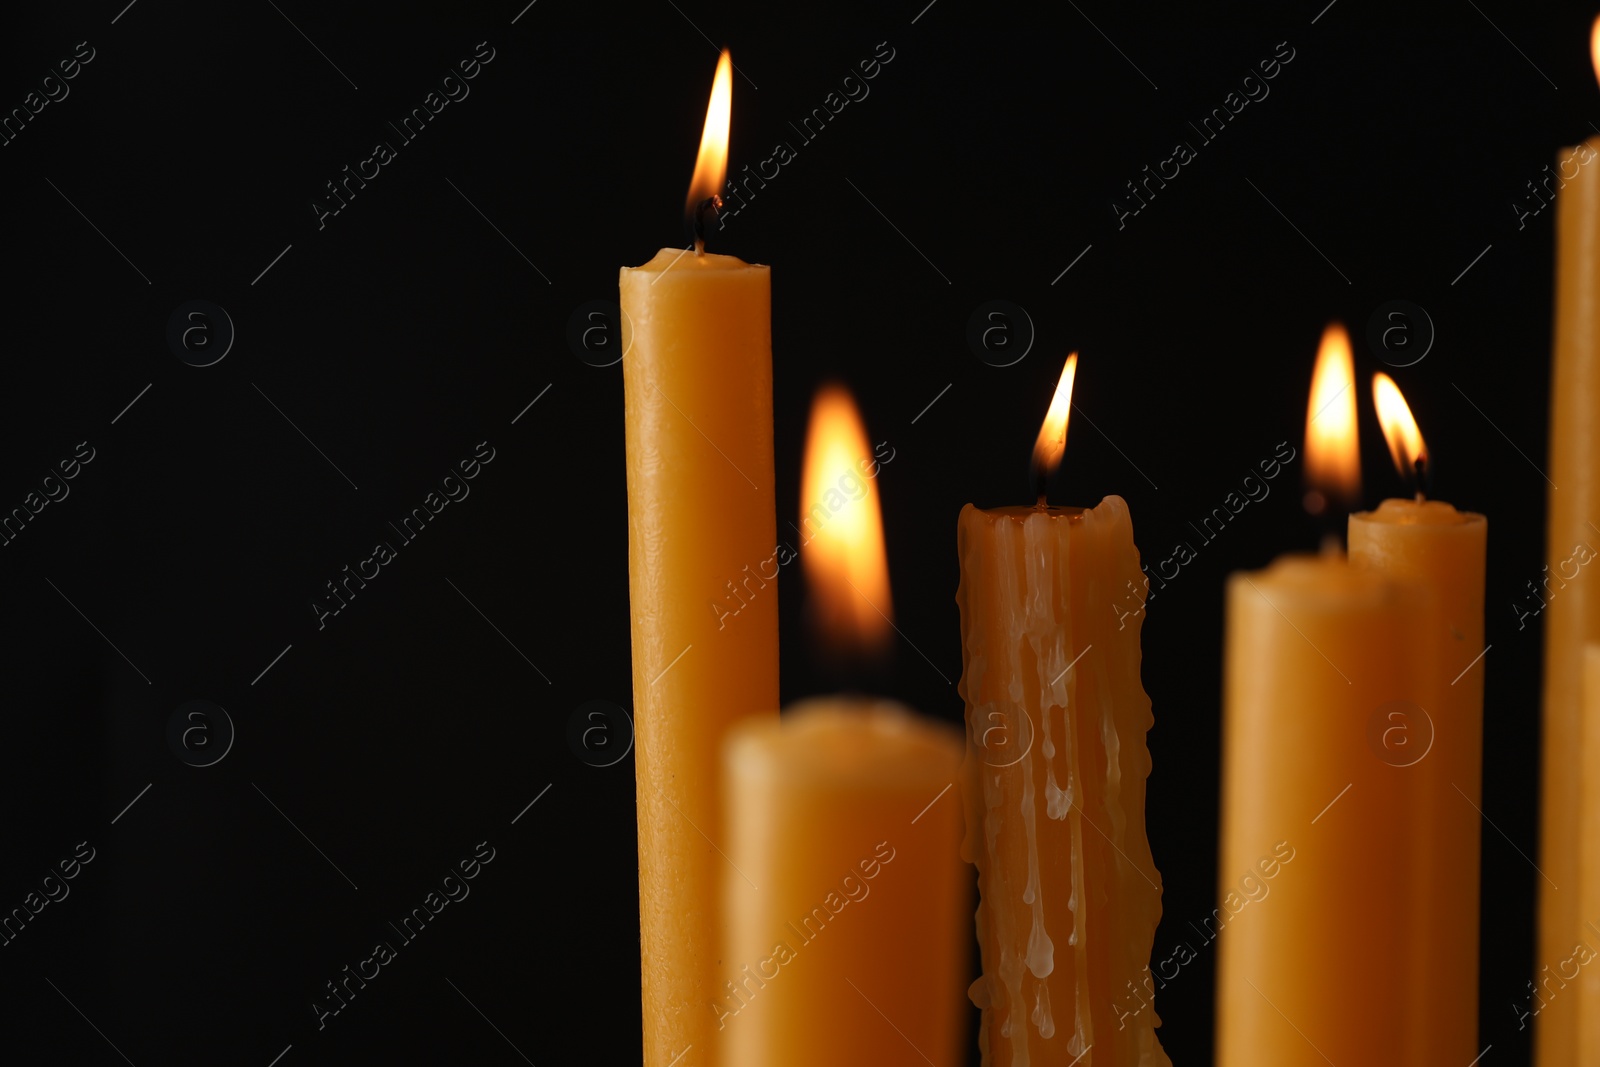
[1444, 549]
[1573, 616]
[697, 374]
[846, 892]
[1055, 785]
[1320, 956]
[1584, 954]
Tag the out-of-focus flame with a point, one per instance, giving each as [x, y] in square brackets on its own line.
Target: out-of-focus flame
[841, 523]
[1333, 451]
[1594, 47]
[1406, 446]
[711, 165]
[1052, 440]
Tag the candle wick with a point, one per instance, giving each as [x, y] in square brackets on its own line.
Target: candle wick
[699, 219]
[1042, 502]
[1419, 470]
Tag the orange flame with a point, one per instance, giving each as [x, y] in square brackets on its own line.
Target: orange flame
[846, 566]
[1052, 441]
[711, 165]
[1333, 451]
[1594, 46]
[1406, 446]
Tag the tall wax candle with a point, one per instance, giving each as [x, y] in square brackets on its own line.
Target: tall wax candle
[1573, 617]
[846, 891]
[1055, 780]
[697, 378]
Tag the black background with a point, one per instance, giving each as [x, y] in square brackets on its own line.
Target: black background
[413, 325]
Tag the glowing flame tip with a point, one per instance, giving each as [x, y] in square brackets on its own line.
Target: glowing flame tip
[1594, 46]
[1333, 452]
[1400, 430]
[711, 165]
[841, 525]
[1051, 444]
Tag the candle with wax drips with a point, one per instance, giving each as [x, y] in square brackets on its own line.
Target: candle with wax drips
[1055, 777]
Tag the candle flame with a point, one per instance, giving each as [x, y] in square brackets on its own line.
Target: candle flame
[841, 524]
[1400, 430]
[711, 165]
[1594, 46]
[1333, 451]
[1052, 440]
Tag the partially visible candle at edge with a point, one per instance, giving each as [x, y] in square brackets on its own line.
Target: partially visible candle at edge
[1572, 617]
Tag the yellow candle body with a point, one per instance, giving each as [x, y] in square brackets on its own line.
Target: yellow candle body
[697, 374]
[1055, 785]
[845, 891]
[1316, 927]
[1584, 953]
[1573, 616]
[1443, 549]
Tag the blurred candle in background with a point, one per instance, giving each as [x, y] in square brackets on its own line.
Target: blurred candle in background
[1315, 918]
[1344, 748]
[1572, 619]
[697, 377]
[1055, 776]
[845, 890]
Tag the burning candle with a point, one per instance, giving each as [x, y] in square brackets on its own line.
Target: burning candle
[1343, 747]
[697, 376]
[1440, 743]
[845, 888]
[1055, 775]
